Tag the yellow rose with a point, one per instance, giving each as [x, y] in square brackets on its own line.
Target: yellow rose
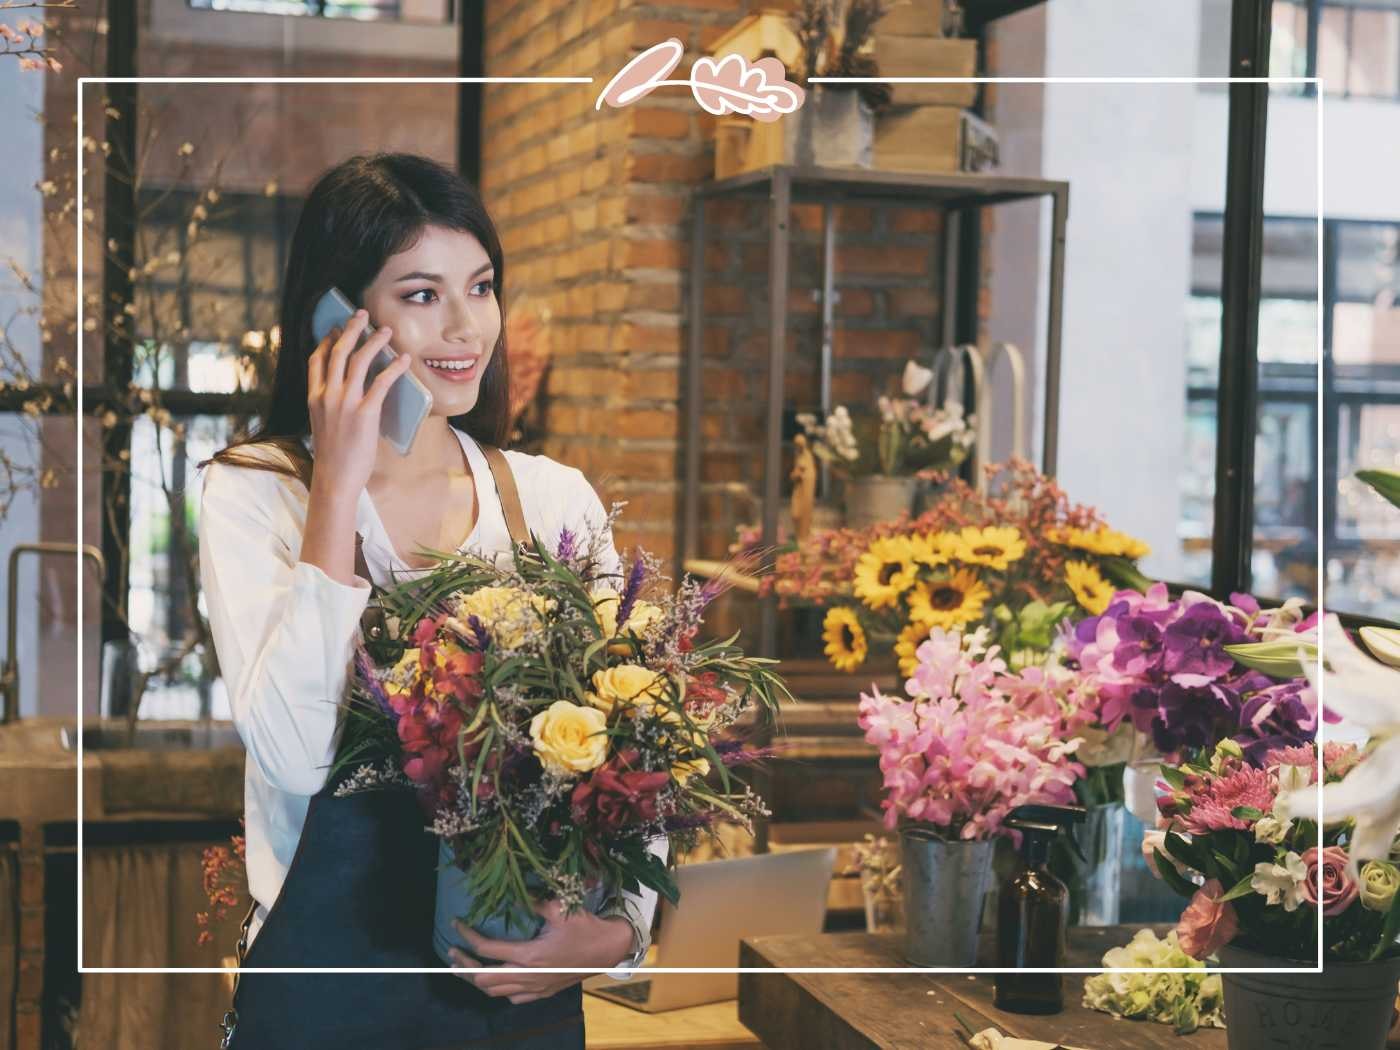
[569, 738]
[693, 767]
[1379, 881]
[508, 613]
[640, 618]
[627, 685]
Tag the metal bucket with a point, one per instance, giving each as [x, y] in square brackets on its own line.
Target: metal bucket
[944, 883]
[1347, 1004]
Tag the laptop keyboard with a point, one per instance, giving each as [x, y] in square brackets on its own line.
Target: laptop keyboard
[633, 991]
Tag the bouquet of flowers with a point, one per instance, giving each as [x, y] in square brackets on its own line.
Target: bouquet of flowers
[553, 724]
[1019, 563]
[1262, 866]
[964, 750]
[1179, 670]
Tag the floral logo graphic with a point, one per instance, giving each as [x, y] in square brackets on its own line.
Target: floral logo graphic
[730, 85]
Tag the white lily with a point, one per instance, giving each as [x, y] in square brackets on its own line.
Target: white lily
[916, 379]
[1367, 694]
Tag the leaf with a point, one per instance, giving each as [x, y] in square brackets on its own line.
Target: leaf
[1125, 574]
[1385, 482]
[1239, 889]
[1174, 878]
[1173, 776]
[643, 75]
[1247, 813]
[732, 85]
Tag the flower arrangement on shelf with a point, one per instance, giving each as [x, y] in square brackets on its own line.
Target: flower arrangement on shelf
[966, 747]
[1018, 562]
[876, 862]
[909, 438]
[1261, 870]
[554, 725]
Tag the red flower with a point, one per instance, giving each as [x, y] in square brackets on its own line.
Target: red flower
[612, 799]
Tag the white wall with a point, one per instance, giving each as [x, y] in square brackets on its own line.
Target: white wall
[21, 101]
[1127, 152]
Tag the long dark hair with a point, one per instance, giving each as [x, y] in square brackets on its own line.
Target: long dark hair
[359, 213]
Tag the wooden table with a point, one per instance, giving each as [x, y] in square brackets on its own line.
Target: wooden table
[857, 1011]
[714, 1026]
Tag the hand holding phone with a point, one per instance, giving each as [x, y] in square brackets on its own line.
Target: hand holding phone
[406, 402]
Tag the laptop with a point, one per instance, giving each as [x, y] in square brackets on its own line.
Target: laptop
[722, 901]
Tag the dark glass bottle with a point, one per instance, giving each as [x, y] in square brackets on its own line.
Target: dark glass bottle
[1032, 911]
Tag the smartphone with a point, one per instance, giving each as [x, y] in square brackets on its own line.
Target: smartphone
[408, 402]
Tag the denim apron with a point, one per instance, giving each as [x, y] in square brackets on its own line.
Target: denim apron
[360, 892]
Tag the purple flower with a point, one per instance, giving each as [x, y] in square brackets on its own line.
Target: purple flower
[1193, 717]
[481, 637]
[365, 666]
[631, 590]
[1139, 648]
[1194, 645]
[566, 551]
[1277, 715]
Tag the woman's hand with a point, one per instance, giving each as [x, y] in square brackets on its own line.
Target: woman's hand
[581, 939]
[344, 415]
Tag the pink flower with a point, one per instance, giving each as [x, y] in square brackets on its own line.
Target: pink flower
[1339, 889]
[1207, 924]
[1214, 802]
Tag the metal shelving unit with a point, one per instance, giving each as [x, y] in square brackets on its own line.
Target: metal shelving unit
[956, 195]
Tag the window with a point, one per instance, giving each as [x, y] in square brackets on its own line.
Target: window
[431, 11]
[1352, 45]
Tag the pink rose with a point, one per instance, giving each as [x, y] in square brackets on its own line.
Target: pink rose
[1339, 889]
[1207, 924]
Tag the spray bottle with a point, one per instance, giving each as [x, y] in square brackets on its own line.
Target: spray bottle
[1032, 910]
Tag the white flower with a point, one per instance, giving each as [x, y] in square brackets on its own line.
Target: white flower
[1367, 694]
[1101, 748]
[1281, 883]
[1294, 778]
[1270, 830]
[916, 379]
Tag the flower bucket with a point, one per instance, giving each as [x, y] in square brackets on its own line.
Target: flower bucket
[878, 498]
[1347, 1004]
[1102, 843]
[454, 901]
[835, 128]
[1140, 790]
[944, 883]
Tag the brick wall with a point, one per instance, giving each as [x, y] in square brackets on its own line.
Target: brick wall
[594, 209]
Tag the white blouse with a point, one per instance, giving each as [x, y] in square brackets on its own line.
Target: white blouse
[284, 631]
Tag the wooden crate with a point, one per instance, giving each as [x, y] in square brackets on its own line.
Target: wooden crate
[930, 139]
[916, 56]
[912, 18]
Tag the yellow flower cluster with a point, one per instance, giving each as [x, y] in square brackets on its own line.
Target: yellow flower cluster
[509, 613]
[642, 617]
[1106, 542]
[1090, 589]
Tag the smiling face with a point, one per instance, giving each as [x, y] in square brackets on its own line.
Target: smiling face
[438, 298]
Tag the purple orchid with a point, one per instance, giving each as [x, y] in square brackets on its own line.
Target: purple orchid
[1194, 645]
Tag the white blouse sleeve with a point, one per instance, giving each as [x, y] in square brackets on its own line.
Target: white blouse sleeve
[283, 630]
[591, 519]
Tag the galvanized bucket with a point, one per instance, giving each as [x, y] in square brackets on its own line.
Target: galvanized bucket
[1347, 1004]
[944, 883]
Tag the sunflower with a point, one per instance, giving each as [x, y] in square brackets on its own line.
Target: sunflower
[845, 638]
[934, 549]
[1107, 542]
[951, 602]
[906, 646]
[1090, 588]
[885, 571]
[995, 546]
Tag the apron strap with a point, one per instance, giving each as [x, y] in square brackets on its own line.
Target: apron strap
[510, 495]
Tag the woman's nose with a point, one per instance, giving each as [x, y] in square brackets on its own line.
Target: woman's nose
[462, 321]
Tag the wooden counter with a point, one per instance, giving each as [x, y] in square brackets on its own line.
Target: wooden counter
[858, 1011]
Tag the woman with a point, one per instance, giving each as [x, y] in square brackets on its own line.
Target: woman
[287, 554]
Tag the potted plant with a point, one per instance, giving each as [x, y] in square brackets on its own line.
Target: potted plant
[1243, 843]
[836, 126]
[957, 757]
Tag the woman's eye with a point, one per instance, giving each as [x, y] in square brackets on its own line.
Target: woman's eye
[485, 284]
[421, 291]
